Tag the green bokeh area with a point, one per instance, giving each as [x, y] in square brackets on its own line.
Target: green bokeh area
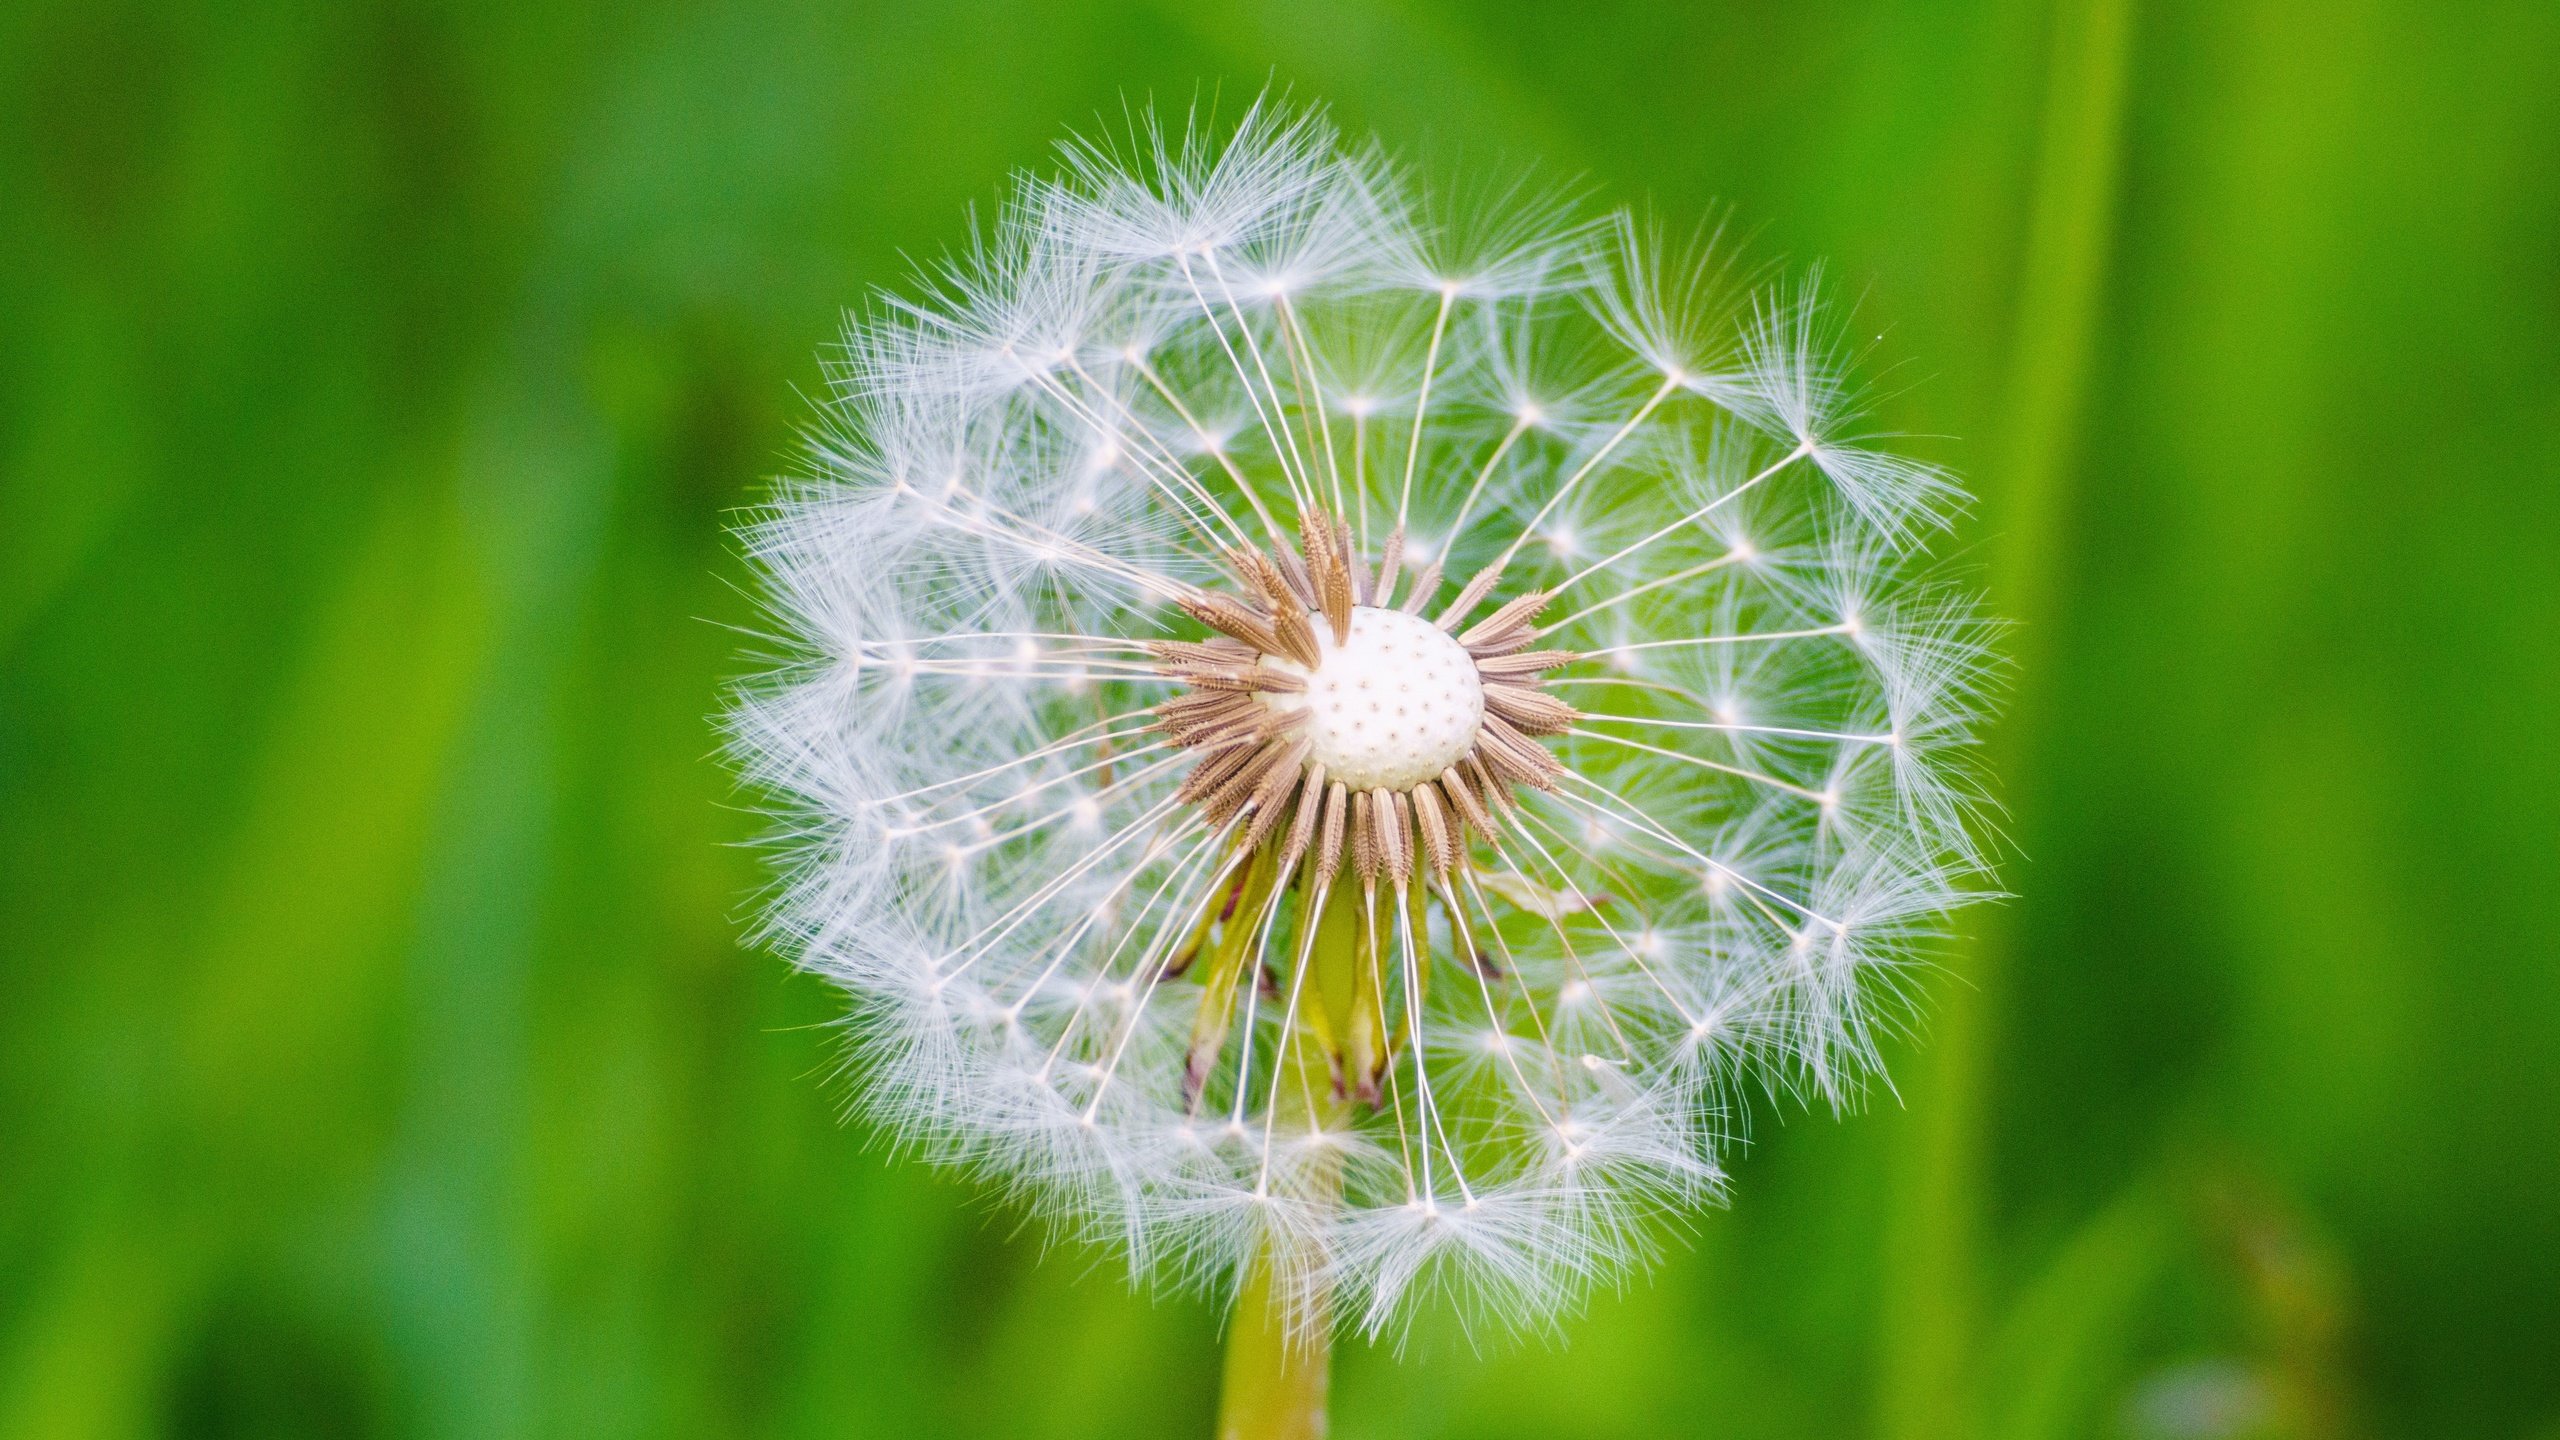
[378, 1056]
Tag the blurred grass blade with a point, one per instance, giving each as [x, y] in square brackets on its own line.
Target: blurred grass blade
[1934, 1267]
[2055, 1356]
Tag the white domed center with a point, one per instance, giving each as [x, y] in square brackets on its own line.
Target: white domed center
[1395, 705]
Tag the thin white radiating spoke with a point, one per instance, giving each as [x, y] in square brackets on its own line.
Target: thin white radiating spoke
[1271, 427]
[1040, 539]
[1572, 955]
[1037, 662]
[1275, 427]
[1464, 934]
[1217, 451]
[1017, 797]
[1422, 403]
[1458, 527]
[1519, 981]
[1048, 541]
[1073, 740]
[966, 671]
[1137, 925]
[1262, 367]
[1685, 521]
[1669, 384]
[1134, 778]
[1380, 946]
[1751, 890]
[1153, 962]
[1302, 354]
[1395, 1086]
[1164, 461]
[1628, 682]
[1360, 469]
[1631, 951]
[983, 941]
[1100, 913]
[1190, 517]
[1280, 1052]
[1173, 462]
[1643, 820]
[1841, 735]
[1631, 592]
[1099, 642]
[1754, 776]
[977, 946]
[1251, 979]
[1686, 641]
[1430, 1110]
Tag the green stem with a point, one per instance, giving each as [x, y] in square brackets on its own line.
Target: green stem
[1280, 1340]
[1277, 1372]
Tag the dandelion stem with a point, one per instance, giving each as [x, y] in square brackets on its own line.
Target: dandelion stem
[1278, 1366]
[1280, 1335]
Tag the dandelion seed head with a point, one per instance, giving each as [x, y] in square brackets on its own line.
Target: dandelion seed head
[1331, 722]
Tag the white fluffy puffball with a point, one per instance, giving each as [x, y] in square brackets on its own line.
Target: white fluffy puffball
[1331, 728]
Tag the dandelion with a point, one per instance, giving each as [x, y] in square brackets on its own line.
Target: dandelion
[1329, 736]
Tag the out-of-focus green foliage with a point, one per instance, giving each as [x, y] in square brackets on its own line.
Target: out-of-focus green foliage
[377, 1056]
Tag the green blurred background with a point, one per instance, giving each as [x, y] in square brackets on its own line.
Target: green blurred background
[377, 1054]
